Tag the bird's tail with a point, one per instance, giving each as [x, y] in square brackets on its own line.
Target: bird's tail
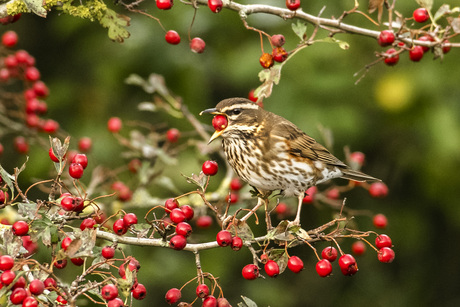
[357, 175]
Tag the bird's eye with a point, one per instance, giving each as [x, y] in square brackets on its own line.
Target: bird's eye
[236, 111]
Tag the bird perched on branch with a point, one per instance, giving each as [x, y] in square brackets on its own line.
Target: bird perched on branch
[271, 153]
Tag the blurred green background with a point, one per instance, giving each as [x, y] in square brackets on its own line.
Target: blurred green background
[406, 119]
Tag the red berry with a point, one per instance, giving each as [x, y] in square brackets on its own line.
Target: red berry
[3, 195]
[188, 212]
[61, 300]
[378, 189]
[7, 277]
[380, 221]
[204, 221]
[9, 39]
[76, 170]
[279, 54]
[271, 268]
[310, 195]
[81, 159]
[202, 291]
[32, 74]
[30, 301]
[68, 203]
[357, 158]
[293, 4]
[134, 165]
[117, 302]
[237, 243]
[277, 40]
[222, 302]
[416, 53]
[210, 301]
[50, 126]
[251, 96]
[114, 124]
[77, 261]
[184, 229]
[446, 46]
[250, 272]
[178, 242]
[386, 38]
[109, 292]
[173, 296]
[329, 253]
[129, 219]
[164, 4]
[87, 223]
[219, 122]
[348, 265]
[358, 248]
[52, 155]
[235, 184]
[333, 193]
[40, 89]
[295, 264]
[119, 227]
[215, 5]
[323, 268]
[50, 283]
[21, 145]
[210, 168]
[18, 296]
[197, 45]
[139, 292]
[172, 37]
[391, 59]
[421, 15]
[36, 287]
[426, 38]
[383, 241]
[6, 262]
[84, 144]
[10, 19]
[171, 204]
[66, 242]
[386, 255]
[60, 264]
[172, 135]
[266, 60]
[224, 238]
[108, 252]
[177, 215]
[20, 228]
[232, 198]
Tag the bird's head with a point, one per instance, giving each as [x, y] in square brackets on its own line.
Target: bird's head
[242, 115]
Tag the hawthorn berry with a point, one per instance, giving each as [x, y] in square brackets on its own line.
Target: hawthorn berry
[172, 37]
[235, 184]
[380, 221]
[323, 268]
[32, 74]
[386, 38]
[184, 229]
[87, 223]
[310, 195]
[209, 301]
[293, 4]
[171, 204]
[129, 219]
[421, 15]
[219, 122]
[76, 170]
[188, 212]
[36, 287]
[416, 53]
[197, 45]
[282, 209]
[81, 159]
[108, 252]
[333, 193]
[178, 242]
[173, 296]
[9, 39]
[20, 283]
[60, 264]
[386, 255]
[210, 168]
[40, 89]
[215, 5]
[164, 4]
[237, 243]
[202, 290]
[378, 190]
[357, 158]
[139, 292]
[446, 46]
[251, 96]
[66, 242]
[295, 264]
[391, 59]
[109, 292]
[50, 283]
[426, 38]
[279, 54]
[348, 265]
[116, 302]
[223, 302]
[232, 198]
[271, 268]
[77, 261]
[224, 238]
[204, 221]
[10, 19]
[358, 248]
[173, 135]
[119, 227]
[20, 228]
[177, 216]
[250, 272]
[50, 126]
[266, 60]
[84, 144]
[7, 277]
[114, 124]
[330, 253]
[383, 241]
[277, 40]
[6, 262]
[68, 203]
[21, 145]
[18, 296]
[30, 301]
[61, 300]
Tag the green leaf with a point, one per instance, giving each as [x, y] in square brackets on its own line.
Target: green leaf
[243, 231]
[199, 180]
[116, 24]
[36, 6]
[443, 9]
[8, 179]
[342, 44]
[300, 29]
[247, 302]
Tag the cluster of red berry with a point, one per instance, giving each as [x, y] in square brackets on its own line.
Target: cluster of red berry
[279, 54]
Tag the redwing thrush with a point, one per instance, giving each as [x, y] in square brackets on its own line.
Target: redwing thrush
[271, 153]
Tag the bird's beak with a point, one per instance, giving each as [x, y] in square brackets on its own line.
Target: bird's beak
[216, 133]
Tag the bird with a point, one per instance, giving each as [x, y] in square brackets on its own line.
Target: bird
[271, 153]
